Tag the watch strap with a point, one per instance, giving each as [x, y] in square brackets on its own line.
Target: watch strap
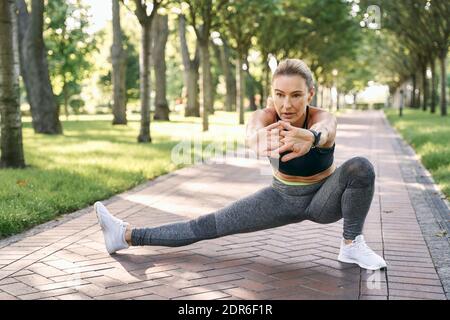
[316, 138]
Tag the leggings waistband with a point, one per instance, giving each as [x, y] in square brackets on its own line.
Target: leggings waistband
[296, 190]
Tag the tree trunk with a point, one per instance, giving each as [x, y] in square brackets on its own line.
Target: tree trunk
[10, 120]
[419, 92]
[337, 100]
[65, 98]
[145, 85]
[322, 96]
[230, 79]
[251, 89]
[413, 95]
[34, 69]
[314, 101]
[191, 74]
[424, 87]
[433, 86]
[207, 82]
[161, 33]
[266, 86]
[240, 88]
[355, 104]
[443, 61]
[215, 65]
[119, 63]
[193, 105]
[330, 99]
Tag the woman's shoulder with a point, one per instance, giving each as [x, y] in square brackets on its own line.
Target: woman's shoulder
[317, 110]
[271, 113]
[318, 114]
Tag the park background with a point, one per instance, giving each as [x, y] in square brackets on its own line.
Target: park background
[101, 102]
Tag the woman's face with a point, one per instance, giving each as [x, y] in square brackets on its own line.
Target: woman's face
[291, 96]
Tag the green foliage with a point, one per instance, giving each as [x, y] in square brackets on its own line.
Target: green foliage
[240, 19]
[94, 161]
[69, 46]
[428, 134]
[132, 71]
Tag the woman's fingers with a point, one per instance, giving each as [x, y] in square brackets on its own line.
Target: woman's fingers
[285, 125]
[273, 144]
[272, 126]
[270, 153]
[290, 156]
[284, 148]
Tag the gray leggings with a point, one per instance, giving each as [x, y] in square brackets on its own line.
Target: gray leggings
[347, 194]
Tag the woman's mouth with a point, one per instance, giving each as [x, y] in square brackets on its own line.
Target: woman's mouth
[288, 114]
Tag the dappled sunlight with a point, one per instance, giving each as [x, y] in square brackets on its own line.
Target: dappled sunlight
[94, 160]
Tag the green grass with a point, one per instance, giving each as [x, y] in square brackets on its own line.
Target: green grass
[94, 160]
[429, 135]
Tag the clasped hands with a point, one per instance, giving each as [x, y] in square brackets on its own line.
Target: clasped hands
[280, 137]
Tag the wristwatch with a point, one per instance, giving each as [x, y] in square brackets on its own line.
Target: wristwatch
[316, 138]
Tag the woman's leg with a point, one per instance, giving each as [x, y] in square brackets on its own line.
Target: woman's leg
[264, 209]
[346, 194]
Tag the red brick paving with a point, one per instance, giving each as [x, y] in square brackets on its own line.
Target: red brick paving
[297, 261]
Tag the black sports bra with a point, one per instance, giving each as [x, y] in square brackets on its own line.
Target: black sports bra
[311, 163]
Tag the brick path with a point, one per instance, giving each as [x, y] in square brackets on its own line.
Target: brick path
[67, 259]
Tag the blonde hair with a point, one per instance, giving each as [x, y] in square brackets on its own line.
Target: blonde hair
[295, 67]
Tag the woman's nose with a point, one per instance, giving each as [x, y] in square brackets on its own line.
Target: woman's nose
[287, 102]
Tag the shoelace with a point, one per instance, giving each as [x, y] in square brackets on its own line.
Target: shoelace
[365, 248]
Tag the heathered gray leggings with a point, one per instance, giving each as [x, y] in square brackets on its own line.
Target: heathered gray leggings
[347, 194]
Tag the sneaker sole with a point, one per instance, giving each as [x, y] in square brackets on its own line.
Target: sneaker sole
[360, 264]
[100, 221]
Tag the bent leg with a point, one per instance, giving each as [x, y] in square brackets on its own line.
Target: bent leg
[347, 194]
[261, 210]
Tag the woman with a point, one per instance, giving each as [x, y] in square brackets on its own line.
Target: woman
[299, 141]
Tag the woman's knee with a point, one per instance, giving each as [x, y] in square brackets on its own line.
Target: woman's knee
[357, 172]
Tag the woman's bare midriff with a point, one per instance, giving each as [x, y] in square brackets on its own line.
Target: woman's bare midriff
[311, 179]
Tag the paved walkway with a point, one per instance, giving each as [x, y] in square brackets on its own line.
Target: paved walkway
[66, 259]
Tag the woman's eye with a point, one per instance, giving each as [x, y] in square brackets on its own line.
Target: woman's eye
[279, 95]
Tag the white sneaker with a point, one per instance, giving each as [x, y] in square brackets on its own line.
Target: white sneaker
[113, 229]
[358, 252]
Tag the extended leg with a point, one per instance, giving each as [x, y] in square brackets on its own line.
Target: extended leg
[261, 210]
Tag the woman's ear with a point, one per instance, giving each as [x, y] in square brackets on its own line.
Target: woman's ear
[311, 95]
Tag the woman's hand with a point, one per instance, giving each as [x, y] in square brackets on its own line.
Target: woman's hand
[266, 141]
[294, 139]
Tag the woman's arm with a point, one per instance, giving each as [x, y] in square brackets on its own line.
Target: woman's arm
[299, 141]
[325, 123]
[262, 135]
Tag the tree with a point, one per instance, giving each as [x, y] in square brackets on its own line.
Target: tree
[161, 33]
[145, 20]
[12, 155]
[34, 68]
[440, 13]
[270, 24]
[191, 74]
[201, 15]
[69, 43]
[423, 27]
[239, 29]
[119, 61]
[230, 78]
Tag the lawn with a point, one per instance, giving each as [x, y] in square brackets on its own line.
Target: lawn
[429, 135]
[94, 160]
